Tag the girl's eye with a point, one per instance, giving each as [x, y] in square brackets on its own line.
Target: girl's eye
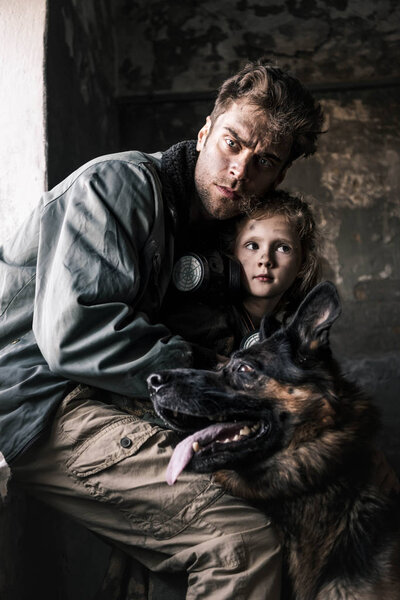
[251, 246]
[245, 368]
[283, 248]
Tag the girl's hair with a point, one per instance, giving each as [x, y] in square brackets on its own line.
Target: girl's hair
[298, 213]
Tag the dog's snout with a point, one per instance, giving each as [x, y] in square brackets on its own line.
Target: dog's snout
[156, 380]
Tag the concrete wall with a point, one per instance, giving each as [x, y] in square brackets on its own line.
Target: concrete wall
[22, 110]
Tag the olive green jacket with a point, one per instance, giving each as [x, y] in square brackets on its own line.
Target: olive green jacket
[80, 288]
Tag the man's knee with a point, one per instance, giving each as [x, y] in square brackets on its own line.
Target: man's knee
[230, 551]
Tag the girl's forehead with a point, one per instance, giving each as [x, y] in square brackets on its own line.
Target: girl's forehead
[268, 224]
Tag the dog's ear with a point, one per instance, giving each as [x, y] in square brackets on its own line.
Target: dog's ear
[268, 326]
[314, 318]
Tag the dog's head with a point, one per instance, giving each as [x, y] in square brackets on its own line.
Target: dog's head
[277, 394]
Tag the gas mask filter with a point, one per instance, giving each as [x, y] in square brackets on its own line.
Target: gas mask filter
[213, 274]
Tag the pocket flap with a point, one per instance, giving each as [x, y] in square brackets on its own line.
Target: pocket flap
[111, 444]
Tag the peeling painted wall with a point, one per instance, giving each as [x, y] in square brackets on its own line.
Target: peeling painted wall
[353, 184]
[182, 45]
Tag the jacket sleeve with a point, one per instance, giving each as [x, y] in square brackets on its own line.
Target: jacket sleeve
[91, 272]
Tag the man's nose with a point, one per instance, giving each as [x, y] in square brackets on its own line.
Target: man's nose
[239, 167]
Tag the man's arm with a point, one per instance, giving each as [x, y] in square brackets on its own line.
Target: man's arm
[93, 270]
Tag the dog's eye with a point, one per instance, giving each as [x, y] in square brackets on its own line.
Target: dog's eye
[245, 368]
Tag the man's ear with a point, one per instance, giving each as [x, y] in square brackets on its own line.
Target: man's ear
[203, 133]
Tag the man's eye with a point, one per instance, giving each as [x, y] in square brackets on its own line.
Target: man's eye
[245, 368]
[231, 143]
[264, 162]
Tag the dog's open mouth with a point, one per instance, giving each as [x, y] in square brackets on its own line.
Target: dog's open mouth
[223, 430]
[214, 444]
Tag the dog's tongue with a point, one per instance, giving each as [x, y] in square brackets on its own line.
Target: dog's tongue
[184, 450]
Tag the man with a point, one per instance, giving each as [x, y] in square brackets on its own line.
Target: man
[83, 281]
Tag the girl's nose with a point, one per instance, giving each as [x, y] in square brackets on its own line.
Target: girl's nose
[265, 259]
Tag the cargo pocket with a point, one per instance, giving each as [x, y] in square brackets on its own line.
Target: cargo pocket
[109, 446]
[123, 464]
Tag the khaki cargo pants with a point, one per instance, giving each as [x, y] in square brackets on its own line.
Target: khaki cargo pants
[105, 467]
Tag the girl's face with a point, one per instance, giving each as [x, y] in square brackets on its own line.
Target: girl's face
[270, 253]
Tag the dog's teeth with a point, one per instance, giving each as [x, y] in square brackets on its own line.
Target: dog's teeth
[226, 440]
[236, 438]
[245, 430]
[196, 446]
[256, 427]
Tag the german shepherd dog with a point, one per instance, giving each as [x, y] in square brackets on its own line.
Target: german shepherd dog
[281, 426]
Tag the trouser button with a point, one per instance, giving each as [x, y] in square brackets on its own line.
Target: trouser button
[126, 442]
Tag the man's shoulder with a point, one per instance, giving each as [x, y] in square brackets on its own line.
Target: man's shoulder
[130, 166]
[128, 160]
[130, 156]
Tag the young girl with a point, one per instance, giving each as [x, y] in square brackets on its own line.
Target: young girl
[277, 249]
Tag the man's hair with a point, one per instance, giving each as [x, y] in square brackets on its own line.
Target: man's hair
[292, 110]
[299, 214]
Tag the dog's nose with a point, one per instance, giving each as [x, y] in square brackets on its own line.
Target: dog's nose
[156, 380]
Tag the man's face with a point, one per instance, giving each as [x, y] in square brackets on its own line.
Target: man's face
[237, 159]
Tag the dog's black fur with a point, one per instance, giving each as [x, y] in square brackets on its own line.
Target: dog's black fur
[309, 457]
